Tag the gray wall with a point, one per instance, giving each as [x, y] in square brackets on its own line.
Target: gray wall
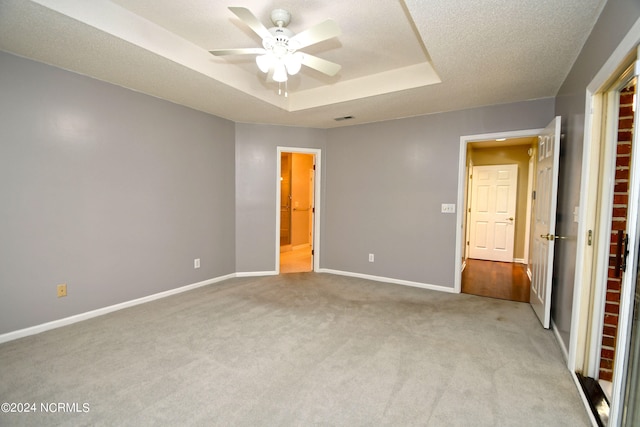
[256, 181]
[105, 189]
[613, 24]
[385, 183]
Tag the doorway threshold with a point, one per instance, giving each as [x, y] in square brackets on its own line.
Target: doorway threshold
[598, 401]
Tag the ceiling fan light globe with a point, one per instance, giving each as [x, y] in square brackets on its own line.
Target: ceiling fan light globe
[293, 62]
[279, 73]
[264, 62]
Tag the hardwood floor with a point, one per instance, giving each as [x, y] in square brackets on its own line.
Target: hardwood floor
[503, 280]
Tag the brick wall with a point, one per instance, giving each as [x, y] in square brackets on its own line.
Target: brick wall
[618, 222]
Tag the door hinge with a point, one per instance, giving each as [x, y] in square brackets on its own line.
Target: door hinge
[590, 237]
[533, 195]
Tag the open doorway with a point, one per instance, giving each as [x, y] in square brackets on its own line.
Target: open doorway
[297, 197]
[607, 295]
[497, 218]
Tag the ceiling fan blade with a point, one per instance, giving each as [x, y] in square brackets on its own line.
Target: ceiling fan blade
[320, 32]
[327, 67]
[244, 51]
[250, 19]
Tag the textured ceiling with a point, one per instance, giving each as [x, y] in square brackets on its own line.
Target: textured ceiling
[399, 58]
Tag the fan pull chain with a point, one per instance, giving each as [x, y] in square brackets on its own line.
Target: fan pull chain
[286, 89]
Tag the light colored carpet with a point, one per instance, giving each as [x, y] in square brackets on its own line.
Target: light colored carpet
[297, 350]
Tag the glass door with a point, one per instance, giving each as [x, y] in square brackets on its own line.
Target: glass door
[624, 408]
[603, 371]
[631, 410]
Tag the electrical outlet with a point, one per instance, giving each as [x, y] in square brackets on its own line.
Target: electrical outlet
[371, 257]
[62, 290]
[196, 263]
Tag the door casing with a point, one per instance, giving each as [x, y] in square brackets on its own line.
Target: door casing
[461, 216]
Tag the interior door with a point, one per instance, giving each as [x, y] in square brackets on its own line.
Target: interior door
[544, 220]
[493, 208]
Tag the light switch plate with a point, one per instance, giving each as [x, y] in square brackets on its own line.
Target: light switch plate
[448, 208]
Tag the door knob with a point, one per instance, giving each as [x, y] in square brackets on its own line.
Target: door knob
[552, 237]
[510, 218]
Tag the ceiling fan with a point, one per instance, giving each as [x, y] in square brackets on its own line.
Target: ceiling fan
[280, 54]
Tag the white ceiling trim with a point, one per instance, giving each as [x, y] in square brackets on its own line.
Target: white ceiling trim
[485, 53]
[377, 84]
[126, 25]
[115, 20]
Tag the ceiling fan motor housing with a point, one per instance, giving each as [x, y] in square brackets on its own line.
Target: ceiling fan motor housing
[280, 44]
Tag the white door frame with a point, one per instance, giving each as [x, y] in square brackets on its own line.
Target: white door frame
[585, 294]
[462, 167]
[316, 202]
[601, 246]
[467, 215]
[588, 294]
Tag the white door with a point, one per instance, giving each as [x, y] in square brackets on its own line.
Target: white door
[493, 210]
[544, 220]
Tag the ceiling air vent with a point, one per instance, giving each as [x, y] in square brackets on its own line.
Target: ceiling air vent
[339, 119]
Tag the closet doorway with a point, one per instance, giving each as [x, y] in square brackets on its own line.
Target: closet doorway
[497, 217]
[297, 219]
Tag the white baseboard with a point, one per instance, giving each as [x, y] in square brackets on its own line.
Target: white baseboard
[565, 352]
[255, 273]
[389, 280]
[583, 396]
[21, 333]
[574, 376]
[519, 260]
